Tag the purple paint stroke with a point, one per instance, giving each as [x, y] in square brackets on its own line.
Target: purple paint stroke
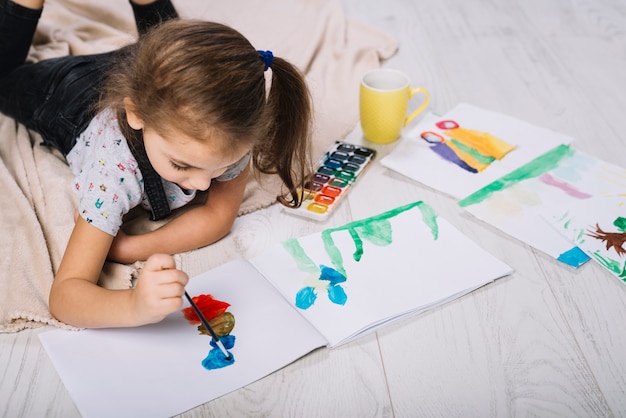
[447, 153]
[566, 187]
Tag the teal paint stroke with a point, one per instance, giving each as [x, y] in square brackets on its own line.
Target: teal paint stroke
[574, 257]
[535, 168]
[303, 261]
[565, 222]
[376, 229]
[573, 169]
[306, 297]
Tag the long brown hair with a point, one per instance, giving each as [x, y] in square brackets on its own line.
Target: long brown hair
[206, 80]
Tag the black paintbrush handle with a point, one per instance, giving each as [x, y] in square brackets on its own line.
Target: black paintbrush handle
[202, 318]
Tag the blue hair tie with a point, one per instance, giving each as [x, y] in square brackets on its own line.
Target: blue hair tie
[268, 58]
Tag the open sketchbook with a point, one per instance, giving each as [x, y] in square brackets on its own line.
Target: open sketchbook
[320, 290]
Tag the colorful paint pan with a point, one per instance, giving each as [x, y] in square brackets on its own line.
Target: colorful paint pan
[333, 176]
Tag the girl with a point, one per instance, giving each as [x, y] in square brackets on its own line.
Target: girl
[182, 110]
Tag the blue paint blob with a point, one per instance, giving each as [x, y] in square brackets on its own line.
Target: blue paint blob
[337, 295]
[332, 275]
[216, 359]
[574, 257]
[227, 340]
[305, 298]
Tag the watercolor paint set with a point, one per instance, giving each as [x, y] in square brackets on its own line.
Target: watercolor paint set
[334, 174]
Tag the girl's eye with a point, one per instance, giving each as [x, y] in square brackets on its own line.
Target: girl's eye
[178, 167]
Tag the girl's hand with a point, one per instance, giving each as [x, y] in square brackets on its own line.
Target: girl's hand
[159, 289]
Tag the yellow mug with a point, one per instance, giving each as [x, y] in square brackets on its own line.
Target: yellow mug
[383, 103]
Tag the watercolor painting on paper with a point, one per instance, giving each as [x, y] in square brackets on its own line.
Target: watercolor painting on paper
[468, 148]
[377, 230]
[598, 226]
[349, 279]
[559, 180]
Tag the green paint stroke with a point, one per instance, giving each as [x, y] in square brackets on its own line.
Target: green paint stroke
[358, 243]
[303, 261]
[535, 168]
[376, 230]
[611, 265]
[429, 216]
[620, 223]
[484, 159]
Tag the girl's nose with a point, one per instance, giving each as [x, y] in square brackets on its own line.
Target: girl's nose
[201, 183]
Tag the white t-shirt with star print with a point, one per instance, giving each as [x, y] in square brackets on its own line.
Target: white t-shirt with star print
[108, 180]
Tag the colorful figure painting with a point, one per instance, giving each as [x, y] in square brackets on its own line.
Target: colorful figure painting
[471, 150]
[468, 148]
[221, 321]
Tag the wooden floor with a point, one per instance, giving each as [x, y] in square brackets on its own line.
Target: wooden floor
[546, 341]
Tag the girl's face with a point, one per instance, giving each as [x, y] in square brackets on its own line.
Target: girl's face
[185, 161]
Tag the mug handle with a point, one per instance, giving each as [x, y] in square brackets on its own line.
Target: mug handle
[422, 106]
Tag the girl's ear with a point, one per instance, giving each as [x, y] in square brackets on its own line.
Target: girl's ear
[134, 121]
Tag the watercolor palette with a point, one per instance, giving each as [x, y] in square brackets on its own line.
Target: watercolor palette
[334, 173]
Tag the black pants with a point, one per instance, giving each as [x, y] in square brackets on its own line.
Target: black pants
[56, 97]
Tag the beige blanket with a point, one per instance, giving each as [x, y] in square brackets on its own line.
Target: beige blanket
[37, 202]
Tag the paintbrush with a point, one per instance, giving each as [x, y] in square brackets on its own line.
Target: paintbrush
[207, 326]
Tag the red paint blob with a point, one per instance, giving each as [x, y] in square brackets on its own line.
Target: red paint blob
[209, 307]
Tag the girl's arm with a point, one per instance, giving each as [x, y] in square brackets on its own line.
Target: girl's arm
[76, 299]
[195, 228]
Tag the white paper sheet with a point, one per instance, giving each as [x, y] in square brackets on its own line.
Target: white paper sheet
[562, 179]
[156, 371]
[414, 158]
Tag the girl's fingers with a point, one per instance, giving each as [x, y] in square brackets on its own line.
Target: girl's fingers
[158, 262]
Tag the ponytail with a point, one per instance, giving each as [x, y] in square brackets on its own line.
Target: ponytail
[285, 151]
